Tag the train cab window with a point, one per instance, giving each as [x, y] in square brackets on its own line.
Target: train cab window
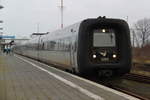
[104, 38]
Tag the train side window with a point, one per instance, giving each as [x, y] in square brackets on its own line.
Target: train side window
[69, 43]
[50, 45]
[55, 45]
[75, 45]
[63, 43]
[66, 44]
[60, 45]
[43, 45]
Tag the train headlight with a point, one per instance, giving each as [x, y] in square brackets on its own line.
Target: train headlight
[103, 30]
[94, 56]
[114, 56]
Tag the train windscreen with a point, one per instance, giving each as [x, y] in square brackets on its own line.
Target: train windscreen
[104, 38]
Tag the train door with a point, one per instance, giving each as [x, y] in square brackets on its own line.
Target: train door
[72, 52]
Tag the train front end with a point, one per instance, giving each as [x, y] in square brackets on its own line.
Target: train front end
[104, 47]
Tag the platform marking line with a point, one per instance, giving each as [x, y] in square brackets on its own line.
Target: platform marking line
[71, 84]
[93, 83]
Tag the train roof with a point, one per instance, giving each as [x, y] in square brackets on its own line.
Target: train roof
[62, 32]
[66, 32]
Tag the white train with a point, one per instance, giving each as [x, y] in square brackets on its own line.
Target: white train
[100, 45]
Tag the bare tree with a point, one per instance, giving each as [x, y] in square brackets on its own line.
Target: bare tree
[134, 38]
[142, 31]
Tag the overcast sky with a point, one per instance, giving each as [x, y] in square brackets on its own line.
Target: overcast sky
[22, 16]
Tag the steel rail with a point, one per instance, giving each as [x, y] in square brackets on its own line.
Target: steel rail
[137, 77]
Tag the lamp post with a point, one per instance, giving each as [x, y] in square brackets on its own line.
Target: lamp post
[62, 13]
[62, 9]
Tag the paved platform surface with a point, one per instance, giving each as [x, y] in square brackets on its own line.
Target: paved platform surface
[25, 79]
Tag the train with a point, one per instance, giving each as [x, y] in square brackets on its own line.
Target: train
[94, 45]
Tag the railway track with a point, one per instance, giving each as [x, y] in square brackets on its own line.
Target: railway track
[130, 93]
[124, 90]
[138, 78]
[115, 84]
[142, 64]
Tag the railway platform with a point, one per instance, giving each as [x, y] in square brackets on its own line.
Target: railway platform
[25, 79]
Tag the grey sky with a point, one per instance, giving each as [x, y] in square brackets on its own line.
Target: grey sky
[22, 16]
